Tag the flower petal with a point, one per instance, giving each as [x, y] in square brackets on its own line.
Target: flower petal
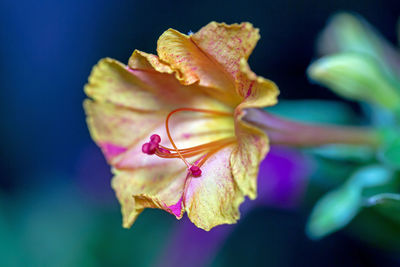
[145, 89]
[115, 129]
[194, 66]
[258, 91]
[253, 144]
[145, 61]
[158, 187]
[130, 104]
[230, 46]
[110, 81]
[213, 198]
[246, 157]
[227, 44]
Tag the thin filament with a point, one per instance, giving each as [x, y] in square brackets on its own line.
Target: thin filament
[213, 112]
[193, 151]
[212, 152]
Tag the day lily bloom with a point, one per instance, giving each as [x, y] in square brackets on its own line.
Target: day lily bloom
[171, 125]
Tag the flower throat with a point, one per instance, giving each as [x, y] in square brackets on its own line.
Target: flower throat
[205, 151]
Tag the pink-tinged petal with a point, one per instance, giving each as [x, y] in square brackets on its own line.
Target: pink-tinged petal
[253, 144]
[230, 46]
[144, 61]
[257, 91]
[213, 198]
[227, 44]
[245, 160]
[176, 209]
[110, 81]
[157, 187]
[192, 66]
[111, 150]
[142, 89]
[124, 99]
[115, 129]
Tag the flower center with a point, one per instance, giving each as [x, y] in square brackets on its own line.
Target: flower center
[205, 151]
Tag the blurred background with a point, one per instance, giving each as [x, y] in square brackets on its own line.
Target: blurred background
[57, 207]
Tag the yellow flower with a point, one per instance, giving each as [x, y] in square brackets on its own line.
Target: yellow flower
[203, 157]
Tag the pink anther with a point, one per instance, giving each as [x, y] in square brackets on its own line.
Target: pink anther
[149, 148]
[155, 138]
[195, 170]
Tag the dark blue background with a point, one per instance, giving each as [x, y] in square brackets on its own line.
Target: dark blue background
[47, 49]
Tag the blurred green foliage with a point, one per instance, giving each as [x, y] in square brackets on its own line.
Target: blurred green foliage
[358, 64]
[356, 76]
[60, 226]
[337, 208]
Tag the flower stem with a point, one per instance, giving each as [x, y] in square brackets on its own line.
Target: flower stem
[287, 132]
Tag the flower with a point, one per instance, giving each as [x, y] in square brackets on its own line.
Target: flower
[189, 100]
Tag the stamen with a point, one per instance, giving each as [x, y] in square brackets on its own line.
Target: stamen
[163, 150]
[154, 147]
[155, 138]
[149, 148]
[194, 110]
[195, 170]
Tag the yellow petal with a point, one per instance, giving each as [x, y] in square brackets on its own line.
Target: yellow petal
[246, 157]
[115, 129]
[145, 61]
[194, 66]
[227, 44]
[111, 81]
[213, 198]
[253, 144]
[258, 91]
[144, 89]
[157, 187]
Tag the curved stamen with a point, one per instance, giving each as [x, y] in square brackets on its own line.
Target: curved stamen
[165, 152]
[220, 113]
[208, 149]
[200, 147]
[212, 152]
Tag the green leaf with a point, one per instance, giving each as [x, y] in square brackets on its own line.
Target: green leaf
[390, 154]
[356, 76]
[388, 204]
[333, 211]
[351, 33]
[374, 175]
[346, 32]
[337, 208]
[385, 199]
